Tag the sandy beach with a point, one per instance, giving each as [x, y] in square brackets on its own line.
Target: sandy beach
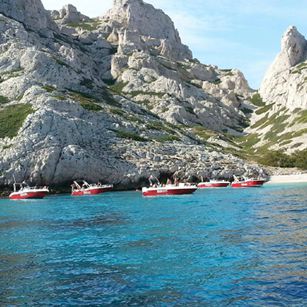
[297, 178]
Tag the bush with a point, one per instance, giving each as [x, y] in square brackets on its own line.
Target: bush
[280, 159]
[277, 159]
[257, 100]
[90, 106]
[118, 87]
[86, 101]
[12, 118]
[130, 135]
[49, 88]
[264, 109]
[3, 99]
[300, 158]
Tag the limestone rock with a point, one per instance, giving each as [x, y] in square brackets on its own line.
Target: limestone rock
[70, 14]
[146, 26]
[284, 82]
[281, 123]
[30, 13]
[113, 99]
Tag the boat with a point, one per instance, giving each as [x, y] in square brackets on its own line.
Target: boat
[23, 191]
[169, 189]
[176, 188]
[84, 188]
[213, 184]
[248, 182]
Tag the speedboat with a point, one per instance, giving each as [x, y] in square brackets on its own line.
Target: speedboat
[169, 189]
[23, 191]
[84, 188]
[213, 184]
[247, 183]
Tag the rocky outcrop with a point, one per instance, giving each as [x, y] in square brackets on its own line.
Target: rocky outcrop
[281, 122]
[30, 13]
[153, 66]
[68, 14]
[140, 25]
[285, 81]
[112, 99]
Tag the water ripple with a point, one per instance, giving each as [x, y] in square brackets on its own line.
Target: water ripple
[213, 248]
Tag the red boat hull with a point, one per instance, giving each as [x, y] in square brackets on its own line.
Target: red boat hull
[204, 185]
[165, 191]
[93, 191]
[28, 195]
[248, 184]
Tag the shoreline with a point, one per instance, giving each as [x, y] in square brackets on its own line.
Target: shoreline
[296, 178]
[275, 179]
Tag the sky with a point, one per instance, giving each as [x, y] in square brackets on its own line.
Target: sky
[242, 34]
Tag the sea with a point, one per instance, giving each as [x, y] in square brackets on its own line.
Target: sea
[217, 247]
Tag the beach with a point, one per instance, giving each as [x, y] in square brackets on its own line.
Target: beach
[295, 178]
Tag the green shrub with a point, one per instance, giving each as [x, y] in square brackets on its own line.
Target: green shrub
[109, 99]
[12, 118]
[302, 118]
[277, 159]
[136, 93]
[260, 122]
[257, 100]
[90, 25]
[298, 68]
[280, 159]
[90, 106]
[118, 87]
[61, 62]
[117, 112]
[129, 135]
[59, 97]
[167, 138]
[49, 88]
[300, 158]
[86, 99]
[3, 99]
[264, 109]
[155, 125]
[249, 140]
[203, 133]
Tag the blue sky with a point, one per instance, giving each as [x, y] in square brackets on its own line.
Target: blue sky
[243, 34]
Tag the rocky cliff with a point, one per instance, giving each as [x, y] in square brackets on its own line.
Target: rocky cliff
[114, 98]
[281, 120]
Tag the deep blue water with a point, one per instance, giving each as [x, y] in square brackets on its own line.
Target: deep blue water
[223, 247]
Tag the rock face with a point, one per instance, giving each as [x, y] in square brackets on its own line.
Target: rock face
[285, 82]
[152, 65]
[282, 123]
[112, 99]
[69, 14]
[140, 25]
[30, 13]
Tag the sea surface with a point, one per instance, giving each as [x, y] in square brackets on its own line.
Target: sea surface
[217, 247]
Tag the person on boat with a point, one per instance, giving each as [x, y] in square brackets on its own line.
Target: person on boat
[153, 181]
[168, 181]
[176, 181]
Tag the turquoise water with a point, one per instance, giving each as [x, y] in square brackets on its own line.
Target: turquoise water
[223, 247]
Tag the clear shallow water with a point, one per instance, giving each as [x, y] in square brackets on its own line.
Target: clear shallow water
[224, 247]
